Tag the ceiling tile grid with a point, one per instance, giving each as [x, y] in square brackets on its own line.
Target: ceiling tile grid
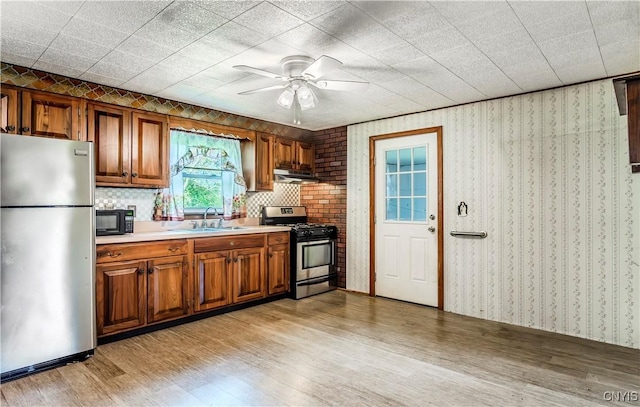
[416, 55]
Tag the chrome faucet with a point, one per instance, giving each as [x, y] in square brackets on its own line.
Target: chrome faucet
[206, 211]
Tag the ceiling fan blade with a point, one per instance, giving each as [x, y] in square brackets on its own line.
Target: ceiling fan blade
[321, 67]
[249, 92]
[353, 86]
[260, 72]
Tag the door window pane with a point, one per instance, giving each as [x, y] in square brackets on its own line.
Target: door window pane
[405, 159]
[392, 209]
[419, 184]
[405, 184]
[392, 185]
[420, 158]
[391, 161]
[419, 209]
[405, 209]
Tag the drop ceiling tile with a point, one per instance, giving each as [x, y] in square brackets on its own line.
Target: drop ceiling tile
[608, 12]
[560, 26]
[389, 98]
[453, 58]
[188, 65]
[346, 22]
[439, 40]
[306, 37]
[33, 34]
[376, 40]
[188, 16]
[569, 59]
[132, 62]
[229, 9]
[412, 19]
[94, 32]
[535, 12]
[528, 55]
[458, 11]
[147, 83]
[398, 54]
[128, 16]
[369, 69]
[69, 7]
[232, 38]
[145, 49]
[180, 92]
[536, 80]
[22, 48]
[617, 31]
[500, 23]
[494, 87]
[65, 70]
[618, 63]
[415, 91]
[61, 58]
[581, 72]
[571, 43]
[101, 79]
[20, 60]
[215, 76]
[168, 73]
[505, 42]
[307, 9]
[76, 46]
[265, 56]
[114, 71]
[268, 19]
[31, 12]
[166, 35]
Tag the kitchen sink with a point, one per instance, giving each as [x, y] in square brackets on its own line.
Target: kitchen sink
[222, 229]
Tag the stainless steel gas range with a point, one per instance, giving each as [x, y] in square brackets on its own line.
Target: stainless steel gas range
[313, 250]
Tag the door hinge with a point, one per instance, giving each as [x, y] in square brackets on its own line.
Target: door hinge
[375, 276]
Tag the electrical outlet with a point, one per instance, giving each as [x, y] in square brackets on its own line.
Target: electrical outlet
[133, 208]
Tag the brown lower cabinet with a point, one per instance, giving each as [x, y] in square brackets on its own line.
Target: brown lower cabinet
[145, 283]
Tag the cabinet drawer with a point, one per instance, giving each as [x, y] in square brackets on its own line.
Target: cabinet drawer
[228, 243]
[278, 238]
[120, 252]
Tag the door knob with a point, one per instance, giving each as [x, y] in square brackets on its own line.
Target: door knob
[431, 229]
[432, 216]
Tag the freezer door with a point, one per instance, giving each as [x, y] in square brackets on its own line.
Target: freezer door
[38, 171]
[48, 284]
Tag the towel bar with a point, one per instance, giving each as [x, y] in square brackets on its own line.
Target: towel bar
[481, 235]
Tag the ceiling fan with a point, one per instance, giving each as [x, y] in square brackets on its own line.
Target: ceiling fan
[299, 72]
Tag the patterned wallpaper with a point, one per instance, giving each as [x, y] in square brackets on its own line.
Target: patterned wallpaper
[546, 175]
[119, 198]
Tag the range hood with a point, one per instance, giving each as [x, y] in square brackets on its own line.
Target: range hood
[294, 177]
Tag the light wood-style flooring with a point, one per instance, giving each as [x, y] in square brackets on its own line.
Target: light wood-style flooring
[342, 349]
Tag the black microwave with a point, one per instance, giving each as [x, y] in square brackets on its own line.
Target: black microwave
[114, 222]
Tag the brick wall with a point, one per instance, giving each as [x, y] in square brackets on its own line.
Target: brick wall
[326, 201]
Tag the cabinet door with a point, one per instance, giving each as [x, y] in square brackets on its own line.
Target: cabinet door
[150, 150]
[48, 115]
[167, 288]
[248, 274]
[284, 153]
[109, 130]
[212, 280]
[264, 162]
[305, 156]
[278, 269]
[9, 98]
[120, 296]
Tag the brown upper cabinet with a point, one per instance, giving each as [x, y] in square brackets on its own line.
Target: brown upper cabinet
[131, 147]
[264, 162]
[43, 114]
[293, 155]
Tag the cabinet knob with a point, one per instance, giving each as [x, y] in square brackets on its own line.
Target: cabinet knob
[228, 259]
[114, 255]
[125, 173]
[235, 259]
[24, 129]
[270, 254]
[140, 271]
[150, 271]
[173, 249]
[11, 128]
[134, 174]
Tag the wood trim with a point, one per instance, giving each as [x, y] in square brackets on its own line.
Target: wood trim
[633, 121]
[372, 234]
[190, 124]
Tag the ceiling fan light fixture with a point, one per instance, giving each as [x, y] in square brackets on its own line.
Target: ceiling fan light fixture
[305, 97]
[286, 98]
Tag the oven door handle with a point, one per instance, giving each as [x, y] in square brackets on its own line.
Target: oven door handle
[314, 282]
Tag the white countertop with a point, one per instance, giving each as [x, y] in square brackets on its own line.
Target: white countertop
[181, 233]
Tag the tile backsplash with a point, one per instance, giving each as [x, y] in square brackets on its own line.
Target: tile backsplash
[119, 198]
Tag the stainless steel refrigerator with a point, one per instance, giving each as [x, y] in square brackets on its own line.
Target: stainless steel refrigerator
[47, 238]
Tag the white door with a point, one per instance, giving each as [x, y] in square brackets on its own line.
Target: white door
[406, 209]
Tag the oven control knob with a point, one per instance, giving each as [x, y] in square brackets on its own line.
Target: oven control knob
[307, 233]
